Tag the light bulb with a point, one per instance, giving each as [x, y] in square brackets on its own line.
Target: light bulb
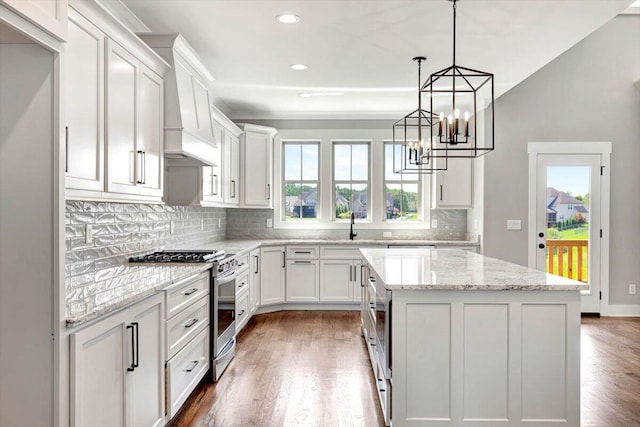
[450, 118]
[441, 116]
[466, 116]
[457, 113]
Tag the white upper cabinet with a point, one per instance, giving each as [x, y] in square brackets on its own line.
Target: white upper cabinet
[84, 82]
[453, 188]
[257, 165]
[114, 110]
[124, 164]
[50, 15]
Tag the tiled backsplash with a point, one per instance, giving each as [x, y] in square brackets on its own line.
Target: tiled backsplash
[121, 230]
[252, 224]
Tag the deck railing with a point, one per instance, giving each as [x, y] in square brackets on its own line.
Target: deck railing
[568, 258]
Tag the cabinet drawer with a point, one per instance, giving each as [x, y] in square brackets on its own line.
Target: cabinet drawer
[185, 325]
[184, 293]
[242, 312]
[340, 252]
[242, 283]
[185, 370]
[243, 259]
[302, 252]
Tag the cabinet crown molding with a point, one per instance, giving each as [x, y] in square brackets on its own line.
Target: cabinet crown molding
[248, 127]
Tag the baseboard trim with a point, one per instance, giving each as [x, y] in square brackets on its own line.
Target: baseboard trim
[621, 310]
[310, 306]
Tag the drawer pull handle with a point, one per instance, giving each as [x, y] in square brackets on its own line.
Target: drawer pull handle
[303, 252]
[191, 323]
[190, 292]
[192, 366]
[242, 285]
[241, 313]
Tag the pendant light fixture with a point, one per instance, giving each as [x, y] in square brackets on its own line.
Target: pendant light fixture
[461, 97]
[412, 140]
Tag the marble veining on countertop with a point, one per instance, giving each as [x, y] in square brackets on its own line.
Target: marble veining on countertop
[450, 269]
[129, 284]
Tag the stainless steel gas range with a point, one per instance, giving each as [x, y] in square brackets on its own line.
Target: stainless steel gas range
[222, 305]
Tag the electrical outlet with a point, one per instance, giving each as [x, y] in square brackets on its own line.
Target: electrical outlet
[387, 234]
[269, 222]
[172, 227]
[202, 224]
[632, 289]
[88, 233]
[434, 223]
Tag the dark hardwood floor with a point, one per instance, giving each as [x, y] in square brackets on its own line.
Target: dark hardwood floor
[310, 368]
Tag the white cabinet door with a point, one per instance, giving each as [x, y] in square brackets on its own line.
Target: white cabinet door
[302, 280]
[336, 280]
[203, 114]
[232, 168]
[257, 169]
[150, 132]
[453, 187]
[99, 356]
[272, 274]
[146, 382]
[122, 84]
[212, 175]
[254, 280]
[84, 80]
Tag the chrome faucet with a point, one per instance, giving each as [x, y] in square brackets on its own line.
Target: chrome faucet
[351, 233]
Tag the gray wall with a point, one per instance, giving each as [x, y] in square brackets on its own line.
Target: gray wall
[586, 94]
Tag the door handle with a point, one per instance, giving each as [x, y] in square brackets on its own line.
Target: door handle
[132, 367]
[541, 245]
[137, 354]
[233, 188]
[66, 148]
[283, 260]
[350, 273]
[268, 191]
[256, 257]
[214, 185]
[139, 166]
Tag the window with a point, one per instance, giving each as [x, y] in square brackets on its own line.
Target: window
[401, 191]
[300, 183]
[351, 179]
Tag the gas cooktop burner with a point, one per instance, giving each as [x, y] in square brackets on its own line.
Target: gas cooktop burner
[180, 256]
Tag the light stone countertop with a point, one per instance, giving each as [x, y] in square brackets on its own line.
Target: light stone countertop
[451, 269]
[132, 282]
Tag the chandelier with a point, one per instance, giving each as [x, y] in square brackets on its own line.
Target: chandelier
[461, 97]
[412, 140]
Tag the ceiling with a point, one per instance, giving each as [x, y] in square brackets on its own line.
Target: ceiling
[363, 48]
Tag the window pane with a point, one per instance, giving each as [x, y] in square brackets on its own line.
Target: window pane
[292, 162]
[342, 162]
[310, 162]
[292, 193]
[359, 202]
[360, 162]
[393, 200]
[343, 201]
[410, 202]
[308, 203]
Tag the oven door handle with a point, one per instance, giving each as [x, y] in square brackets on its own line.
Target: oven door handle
[233, 275]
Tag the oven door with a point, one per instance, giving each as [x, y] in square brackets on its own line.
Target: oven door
[225, 302]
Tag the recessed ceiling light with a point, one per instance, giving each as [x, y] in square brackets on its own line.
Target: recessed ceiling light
[310, 94]
[287, 18]
[298, 67]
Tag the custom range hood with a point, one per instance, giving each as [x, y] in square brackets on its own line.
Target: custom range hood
[188, 125]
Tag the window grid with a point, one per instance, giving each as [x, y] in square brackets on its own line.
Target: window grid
[300, 206]
[360, 208]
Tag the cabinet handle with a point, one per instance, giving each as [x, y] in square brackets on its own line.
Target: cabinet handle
[190, 292]
[440, 192]
[214, 185]
[137, 353]
[66, 148]
[257, 261]
[132, 367]
[139, 180]
[242, 285]
[241, 313]
[302, 262]
[191, 323]
[302, 252]
[350, 273]
[144, 167]
[362, 276]
[283, 260]
[192, 366]
[233, 189]
[268, 191]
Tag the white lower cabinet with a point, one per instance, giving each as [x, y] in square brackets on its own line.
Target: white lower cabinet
[242, 297]
[340, 280]
[303, 278]
[117, 368]
[272, 275]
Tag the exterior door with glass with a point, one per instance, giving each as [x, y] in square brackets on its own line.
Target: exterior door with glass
[568, 220]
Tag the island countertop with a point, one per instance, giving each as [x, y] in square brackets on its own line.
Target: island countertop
[455, 269]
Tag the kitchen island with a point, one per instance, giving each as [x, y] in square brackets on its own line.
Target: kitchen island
[460, 339]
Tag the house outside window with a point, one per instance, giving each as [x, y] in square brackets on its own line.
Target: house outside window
[351, 180]
[401, 191]
[301, 182]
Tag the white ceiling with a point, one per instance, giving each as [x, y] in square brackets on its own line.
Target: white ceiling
[363, 48]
